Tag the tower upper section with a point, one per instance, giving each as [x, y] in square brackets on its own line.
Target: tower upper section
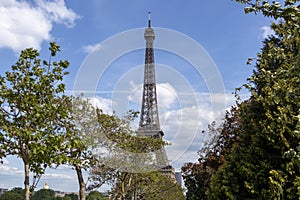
[149, 34]
[149, 121]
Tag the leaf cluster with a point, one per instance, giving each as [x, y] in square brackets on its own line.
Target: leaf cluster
[264, 163]
[32, 110]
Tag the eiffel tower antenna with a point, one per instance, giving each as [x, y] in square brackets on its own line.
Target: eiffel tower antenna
[149, 19]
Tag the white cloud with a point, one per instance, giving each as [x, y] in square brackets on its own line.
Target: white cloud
[10, 170]
[267, 31]
[104, 104]
[57, 11]
[57, 176]
[23, 25]
[183, 127]
[91, 47]
[166, 95]
[136, 92]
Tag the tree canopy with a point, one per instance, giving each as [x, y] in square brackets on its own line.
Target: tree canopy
[43, 194]
[197, 176]
[13, 194]
[95, 195]
[265, 163]
[33, 113]
[261, 158]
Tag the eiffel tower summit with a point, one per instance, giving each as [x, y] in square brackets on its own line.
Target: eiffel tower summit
[149, 119]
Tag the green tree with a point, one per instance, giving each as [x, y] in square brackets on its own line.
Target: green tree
[129, 176]
[265, 163]
[72, 196]
[92, 129]
[158, 186]
[63, 198]
[14, 194]
[32, 112]
[95, 195]
[151, 185]
[43, 194]
[85, 127]
[197, 176]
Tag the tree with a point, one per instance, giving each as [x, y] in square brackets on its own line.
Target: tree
[95, 195]
[131, 175]
[150, 185]
[159, 186]
[92, 130]
[85, 127]
[32, 112]
[48, 194]
[14, 194]
[72, 196]
[43, 194]
[64, 198]
[197, 176]
[265, 163]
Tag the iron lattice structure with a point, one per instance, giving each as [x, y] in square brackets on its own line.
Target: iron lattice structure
[149, 119]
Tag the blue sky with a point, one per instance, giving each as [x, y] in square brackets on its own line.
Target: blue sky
[225, 34]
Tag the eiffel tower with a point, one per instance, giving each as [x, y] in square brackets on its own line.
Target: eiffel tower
[149, 119]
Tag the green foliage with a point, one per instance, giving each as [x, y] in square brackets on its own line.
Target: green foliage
[14, 194]
[159, 186]
[71, 196]
[197, 176]
[264, 164]
[63, 198]
[85, 128]
[125, 149]
[43, 194]
[95, 195]
[152, 185]
[48, 194]
[33, 113]
[289, 12]
[94, 130]
[121, 142]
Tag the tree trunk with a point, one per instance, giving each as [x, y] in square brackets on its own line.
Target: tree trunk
[26, 182]
[81, 183]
